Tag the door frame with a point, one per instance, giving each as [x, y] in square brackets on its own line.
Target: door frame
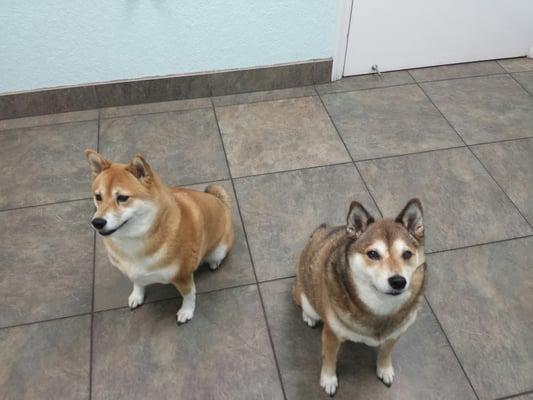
[342, 31]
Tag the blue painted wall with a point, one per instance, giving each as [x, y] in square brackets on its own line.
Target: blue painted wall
[66, 42]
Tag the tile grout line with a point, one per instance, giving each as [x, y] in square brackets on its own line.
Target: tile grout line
[480, 244]
[518, 82]
[408, 154]
[44, 204]
[292, 170]
[201, 293]
[361, 89]
[45, 320]
[90, 198]
[501, 188]
[155, 112]
[439, 111]
[512, 396]
[250, 255]
[456, 78]
[177, 296]
[349, 154]
[476, 157]
[91, 346]
[91, 343]
[76, 121]
[414, 81]
[501, 141]
[451, 347]
[264, 100]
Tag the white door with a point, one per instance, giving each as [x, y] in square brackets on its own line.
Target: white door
[396, 34]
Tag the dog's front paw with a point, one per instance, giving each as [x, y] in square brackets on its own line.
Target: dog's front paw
[135, 300]
[329, 383]
[184, 315]
[386, 375]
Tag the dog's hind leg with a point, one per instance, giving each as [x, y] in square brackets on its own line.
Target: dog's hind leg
[309, 315]
[215, 258]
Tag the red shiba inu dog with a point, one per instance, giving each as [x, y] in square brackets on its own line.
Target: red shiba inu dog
[364, 281]
[157, 234]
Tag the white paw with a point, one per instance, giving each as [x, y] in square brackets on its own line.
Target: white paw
[329, 383]
[135, 299]
[308, 320]
[213, 266]
[386, 375]
[184, 314]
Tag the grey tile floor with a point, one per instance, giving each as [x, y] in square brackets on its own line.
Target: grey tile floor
[460, 137]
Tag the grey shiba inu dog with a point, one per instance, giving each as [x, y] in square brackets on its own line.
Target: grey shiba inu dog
[364, 281]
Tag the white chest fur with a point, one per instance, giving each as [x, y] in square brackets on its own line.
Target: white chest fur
[351, 333]
[142, 269]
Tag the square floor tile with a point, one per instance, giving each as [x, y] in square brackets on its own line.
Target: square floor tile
[280, 211]
[112, 288]
[526, 80]
[48, 360]
[484, 109]
[366, 82]
[45, 164]
[425, 365]
[389, 121]
[223, 352]
[517, 64]
[462, 204]
[46, 262]
[511, 164]
[279, 135]
[456, 71]
[482, 297]
[183, 147]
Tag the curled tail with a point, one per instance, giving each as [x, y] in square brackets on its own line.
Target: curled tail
[219, 192]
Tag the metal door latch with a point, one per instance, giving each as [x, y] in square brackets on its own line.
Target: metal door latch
[376, 70]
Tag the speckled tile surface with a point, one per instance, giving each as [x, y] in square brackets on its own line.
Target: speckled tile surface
[459, 137]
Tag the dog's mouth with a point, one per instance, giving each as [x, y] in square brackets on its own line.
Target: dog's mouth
[395, 292]
[390, 293]
[107, 233]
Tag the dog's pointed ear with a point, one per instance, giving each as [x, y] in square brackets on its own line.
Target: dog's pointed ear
[358, 220]
[140, 168]
[412, 218]
[96, 161]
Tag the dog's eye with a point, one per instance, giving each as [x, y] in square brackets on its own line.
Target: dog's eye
[121, 198]
[407, 255]
[98, 197]
[373, 255]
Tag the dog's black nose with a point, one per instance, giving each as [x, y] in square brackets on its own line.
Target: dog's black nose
[397, 282]
[98, 223]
